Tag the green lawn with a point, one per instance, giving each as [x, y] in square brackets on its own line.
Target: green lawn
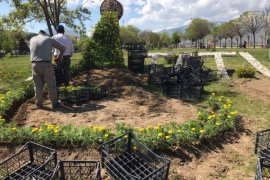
[14, 70]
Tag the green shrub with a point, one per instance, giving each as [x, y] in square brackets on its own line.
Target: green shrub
[245, 72]
[104, 49]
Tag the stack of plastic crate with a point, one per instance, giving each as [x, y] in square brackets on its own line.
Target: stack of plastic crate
[262, 149]
[126, 158]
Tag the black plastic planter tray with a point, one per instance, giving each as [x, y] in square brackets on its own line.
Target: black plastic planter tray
[262, 146]
[33, 161]
[73, 170]
[262, 170]
[78, 97]
[126, 158]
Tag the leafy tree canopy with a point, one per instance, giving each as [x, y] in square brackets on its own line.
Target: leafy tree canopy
[53, 12]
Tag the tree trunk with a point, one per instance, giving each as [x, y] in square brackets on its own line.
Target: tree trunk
[254, 40]
[219, 43]
[231, 42]
[241, 41]
[225, 43]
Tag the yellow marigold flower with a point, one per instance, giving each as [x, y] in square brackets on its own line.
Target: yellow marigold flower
[201, 131]
[217, 123]
[167, 137]
[56, 132]
[209, 117]
[106, 135]
[229, 117]
[225, 106]
[170, 131]
[229, 101]
[179, 130]
[229, 105]
[35, 130]
[14, 129]
[160, 134]
[193, 129]
[142, 129]
[157, 127]
[102, 128]
[234, 112]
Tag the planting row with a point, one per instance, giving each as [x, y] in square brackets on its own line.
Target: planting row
[211, 122]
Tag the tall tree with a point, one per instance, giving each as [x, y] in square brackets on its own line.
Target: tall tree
[164, 40]
[175, 38]
[253, 23]
[53, 12]
[266, 23]
[229, 30]
[129, 34]
[239, 29]
[199, 28]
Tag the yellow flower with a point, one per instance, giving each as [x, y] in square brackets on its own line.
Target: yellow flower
[56, 131]
[225, 106]
[106, 135]
[35, 130]
[40, 130]
[142, 129]
[217, 123]
[126, 136]
[167, 137]
[229, 117]
[159, 124]
[170, 131]
[157, 127]
[201, 131]
[179, 130]
[193, 129]
[160, 134]
[234, 112]
[14, 129]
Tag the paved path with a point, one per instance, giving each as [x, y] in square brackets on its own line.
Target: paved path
[256, 64]
[219, 61]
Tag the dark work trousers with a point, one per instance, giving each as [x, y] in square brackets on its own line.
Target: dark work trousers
[65, 64]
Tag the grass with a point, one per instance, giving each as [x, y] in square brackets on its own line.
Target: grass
[14, 71]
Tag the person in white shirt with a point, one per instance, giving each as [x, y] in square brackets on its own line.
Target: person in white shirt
[67, 42]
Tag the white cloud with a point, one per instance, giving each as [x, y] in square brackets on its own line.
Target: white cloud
[160, 14]
[175, 13]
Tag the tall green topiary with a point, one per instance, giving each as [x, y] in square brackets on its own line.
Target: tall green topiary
[104, 49]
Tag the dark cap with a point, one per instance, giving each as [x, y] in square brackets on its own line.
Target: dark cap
[42, 32]
[60, 29]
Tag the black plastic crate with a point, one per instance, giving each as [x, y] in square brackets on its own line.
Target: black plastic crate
[262, 170]
[32, 161]
[59, 75]
[262, 146]
[77, 96]
[125, 158]
[72, 170]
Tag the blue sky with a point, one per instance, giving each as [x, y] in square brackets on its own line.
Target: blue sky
[156, 15]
